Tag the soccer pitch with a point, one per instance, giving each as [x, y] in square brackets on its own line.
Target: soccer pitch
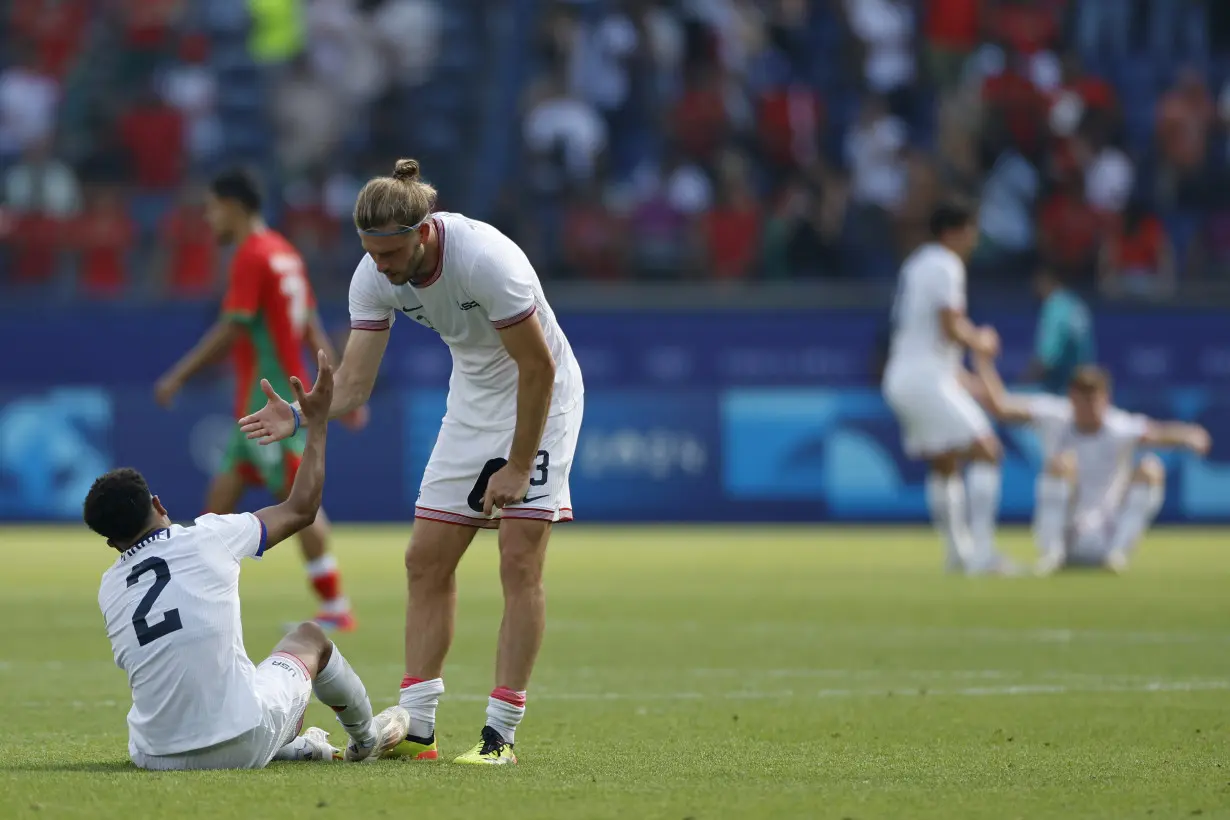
[691, 673]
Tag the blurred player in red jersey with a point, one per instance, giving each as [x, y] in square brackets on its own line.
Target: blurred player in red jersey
[268, 317]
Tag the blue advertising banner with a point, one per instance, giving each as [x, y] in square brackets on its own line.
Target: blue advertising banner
[683, 454]
[729, 416]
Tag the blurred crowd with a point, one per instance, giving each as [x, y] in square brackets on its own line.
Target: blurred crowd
[624, 139]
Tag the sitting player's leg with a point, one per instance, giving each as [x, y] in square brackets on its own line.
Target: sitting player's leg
[435, 550]
[1052, 511]
[306, 661]
[523, 550]
[1140, 506]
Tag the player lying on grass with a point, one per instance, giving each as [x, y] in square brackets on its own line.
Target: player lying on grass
[1096, 495]
[171, 604]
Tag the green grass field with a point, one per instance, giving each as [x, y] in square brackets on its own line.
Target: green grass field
[692, 673]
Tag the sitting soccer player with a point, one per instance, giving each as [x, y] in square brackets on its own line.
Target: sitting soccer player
[171, 604]
[1096, 495]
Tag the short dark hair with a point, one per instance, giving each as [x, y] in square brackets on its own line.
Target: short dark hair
[950, 216]
[240, 185]
[1089, 378]
[117, 507]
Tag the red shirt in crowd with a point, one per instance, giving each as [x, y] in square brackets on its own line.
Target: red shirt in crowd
[191, 250]
[1070, 232]
[1138, 252]
[54, 28]
[154, 137]
[700, 121]
[790, 123]
[953, 24]
[35, 241]
[1021, 105]
[732, 239]
[105, 234]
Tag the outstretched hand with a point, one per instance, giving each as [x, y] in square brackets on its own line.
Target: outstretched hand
[276, 420]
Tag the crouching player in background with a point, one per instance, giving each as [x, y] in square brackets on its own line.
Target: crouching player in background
[171, 604]
[1096, 495]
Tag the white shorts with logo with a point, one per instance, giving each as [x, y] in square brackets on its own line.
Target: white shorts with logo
[937, 415]
[464, 458]
[284, 688]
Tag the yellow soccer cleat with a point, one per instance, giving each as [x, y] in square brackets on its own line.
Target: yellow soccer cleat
[491, 751]
[415, 748]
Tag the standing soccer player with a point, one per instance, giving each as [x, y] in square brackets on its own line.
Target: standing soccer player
[1096, 495]
[923, 383]
[171, 605]
[268, 316]
[505, 447]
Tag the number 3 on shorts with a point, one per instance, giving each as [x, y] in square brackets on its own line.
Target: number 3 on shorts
[544, 461]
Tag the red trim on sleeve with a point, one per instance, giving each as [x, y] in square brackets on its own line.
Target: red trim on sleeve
[369, 324]
[516, 319]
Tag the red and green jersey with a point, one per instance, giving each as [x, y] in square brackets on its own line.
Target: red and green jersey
[269, 294]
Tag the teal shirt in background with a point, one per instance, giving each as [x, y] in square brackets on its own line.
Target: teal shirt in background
[1065, 339]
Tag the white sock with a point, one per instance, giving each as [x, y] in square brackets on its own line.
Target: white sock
[984, 480]
[297, 749]
[1140, 506]
[1054, 498]
[339, 688]
[420, 699]
[505, 708]
[946, 500]
[321, 566]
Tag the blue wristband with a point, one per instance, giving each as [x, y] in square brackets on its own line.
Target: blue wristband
[298, 421]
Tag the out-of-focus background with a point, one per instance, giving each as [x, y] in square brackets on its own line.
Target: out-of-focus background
[717, 194]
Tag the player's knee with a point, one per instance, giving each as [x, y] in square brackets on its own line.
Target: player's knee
[425, 567]
[521, 556]
[1150, 470]
[311, 635]
[1061, 465]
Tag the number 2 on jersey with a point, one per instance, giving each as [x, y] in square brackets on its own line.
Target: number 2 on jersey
[170, 622]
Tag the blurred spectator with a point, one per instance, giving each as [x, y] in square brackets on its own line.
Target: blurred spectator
[875, 152]
[594, 240]
[36, 240]
[952, 29]
[408, 32]
[1070, 233]
[42, 184]
[730, 237]
[886, 30]
[1109, 174]
[105, 234]
[803, 234]
[560, 120]
[1137, 258]
[152, 132]
[1184, 119]
[790, 121]
[189, 87]
[28, 100]
[53, 29]
[1064, 338]
[1006, 217]
[1027, 27]
[308, 119]
[148, 26]
[340, 49]
[701, 121]
[1080, 95]
[1013, 105]
[191, 251]
[276, 35]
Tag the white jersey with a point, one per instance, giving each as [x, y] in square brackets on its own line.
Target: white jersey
[931, 279]
[171, 604]
[1104, 459]
[482, 283]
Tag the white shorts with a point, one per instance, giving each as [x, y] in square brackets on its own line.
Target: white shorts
[464, 458]
[936, 415]
[284, 688]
